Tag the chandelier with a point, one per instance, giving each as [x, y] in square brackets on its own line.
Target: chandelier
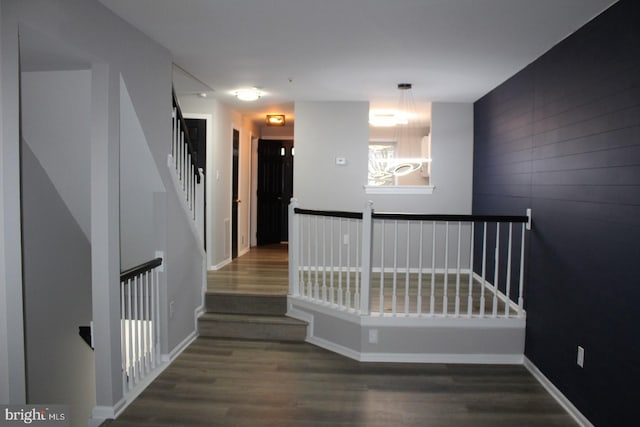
[409, 149]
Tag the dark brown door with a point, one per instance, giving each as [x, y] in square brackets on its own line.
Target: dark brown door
[275, 189]
[198, 136]
[234, 195]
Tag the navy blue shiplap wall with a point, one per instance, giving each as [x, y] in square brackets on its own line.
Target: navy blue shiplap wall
[563, 138]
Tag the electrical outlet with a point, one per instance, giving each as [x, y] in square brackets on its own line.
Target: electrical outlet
[373, 336]
[580, 359]
[172, 308]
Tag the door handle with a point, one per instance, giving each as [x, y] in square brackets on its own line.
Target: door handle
[238, 201]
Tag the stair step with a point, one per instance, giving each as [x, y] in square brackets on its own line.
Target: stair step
[217, 302]
[255, 327]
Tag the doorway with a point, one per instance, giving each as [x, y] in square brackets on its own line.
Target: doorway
[197, 128]
[275, 189]
[234, 194]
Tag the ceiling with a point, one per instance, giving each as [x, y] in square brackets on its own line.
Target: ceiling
[351, 50]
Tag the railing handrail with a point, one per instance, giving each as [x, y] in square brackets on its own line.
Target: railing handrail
[417, 217]
[452, 218]
[336, 214]
[140, 269]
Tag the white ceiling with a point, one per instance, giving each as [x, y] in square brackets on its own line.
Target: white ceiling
[346, 50]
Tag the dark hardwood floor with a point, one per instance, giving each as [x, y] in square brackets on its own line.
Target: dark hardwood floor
[219, 382]
[223, 382]
[261, 271]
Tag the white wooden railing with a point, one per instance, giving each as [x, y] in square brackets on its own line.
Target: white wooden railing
[140, 323]
[407, 265]
[188, 178]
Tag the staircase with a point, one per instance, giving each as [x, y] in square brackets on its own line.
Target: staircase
[250, 317]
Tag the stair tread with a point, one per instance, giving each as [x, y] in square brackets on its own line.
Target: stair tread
[252, 318]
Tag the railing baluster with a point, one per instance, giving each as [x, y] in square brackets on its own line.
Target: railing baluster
[521, 284]
[123, 336]
[357, 284]
[324, 259]
[507, 303]
[432, 298]
[484, 269]
[333, 270]
[496, 272]
[394, 295]
[382, 235]
[309, 287]
[406, 273]
[316, 286]
[348, 272]
[445, 296]
[471, 254]
[457, 300]
[130, 334]
[340, 243]
[420, 244]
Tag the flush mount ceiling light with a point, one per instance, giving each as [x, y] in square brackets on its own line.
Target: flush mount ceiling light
[275, 120]
[252, 94]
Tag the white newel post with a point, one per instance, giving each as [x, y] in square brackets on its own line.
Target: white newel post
[367, 231]
[294, 251]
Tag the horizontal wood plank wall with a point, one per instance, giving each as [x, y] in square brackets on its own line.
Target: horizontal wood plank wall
[563, 137]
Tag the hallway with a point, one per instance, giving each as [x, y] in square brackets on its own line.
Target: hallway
[261, 271]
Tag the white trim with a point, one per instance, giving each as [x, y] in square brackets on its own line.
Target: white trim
[220, 265]
[556, 394]
[177, 350]
[100, 414]
[336, 348]
[418, 321]
[484, 359]
[398, 189]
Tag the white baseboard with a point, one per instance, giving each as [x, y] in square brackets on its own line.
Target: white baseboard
[177, 350]
[483, 359]
[557, 394]
[102, 413]
[220, 265]
[336, 348]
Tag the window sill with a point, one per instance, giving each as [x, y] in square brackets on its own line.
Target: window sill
[399, 189]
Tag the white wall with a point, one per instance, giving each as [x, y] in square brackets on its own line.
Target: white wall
[139, 181]
[59, 133]
[451, 167]
[12, 388]
[323, 132]
[326, 130]
[57, 295]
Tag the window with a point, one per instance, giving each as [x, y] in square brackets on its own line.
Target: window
[397, 167]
